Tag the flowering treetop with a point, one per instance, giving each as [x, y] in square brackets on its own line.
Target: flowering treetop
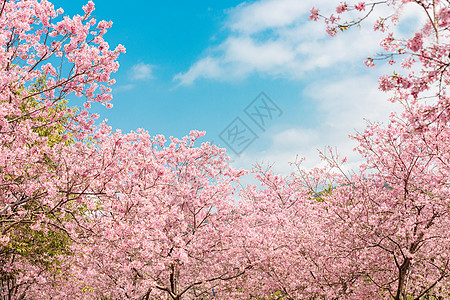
[424, 56]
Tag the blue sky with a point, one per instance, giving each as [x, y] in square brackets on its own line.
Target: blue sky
[199, 64]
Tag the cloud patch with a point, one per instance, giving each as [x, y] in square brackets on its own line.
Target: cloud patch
[343, 107]
[141, 71]
[276, 38]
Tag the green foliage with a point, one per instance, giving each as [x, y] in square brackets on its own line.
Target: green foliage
[319, 196]
[52, 126]
[40, 248]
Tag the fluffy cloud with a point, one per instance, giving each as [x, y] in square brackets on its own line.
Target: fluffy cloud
[141, 71]
[343, 107]
[263, 15]
[206, 68]
[276, 38]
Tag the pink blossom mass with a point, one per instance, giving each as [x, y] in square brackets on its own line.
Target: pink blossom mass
[87, 212]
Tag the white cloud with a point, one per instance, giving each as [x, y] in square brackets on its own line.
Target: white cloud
[141, 71]
[276, 38]
[123, 88]
[260, 56]
[261, 15]
[206, 68]
[343, 106]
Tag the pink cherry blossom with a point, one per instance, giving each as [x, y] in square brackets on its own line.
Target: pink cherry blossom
[314, 14]
[361, 6]
[343, 7]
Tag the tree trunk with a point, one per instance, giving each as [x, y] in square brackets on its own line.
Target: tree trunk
[401, 277]
[174, 281]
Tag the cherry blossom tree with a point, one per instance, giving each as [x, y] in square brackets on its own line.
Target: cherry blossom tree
[45, 57]
[423, 57]
[78, 201]
[380, 232]
[164, 225]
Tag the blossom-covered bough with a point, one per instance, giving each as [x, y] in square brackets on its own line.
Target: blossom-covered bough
[423, 57]
[385, 227]
[44, 58]
[380, 232]
[167, 226]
